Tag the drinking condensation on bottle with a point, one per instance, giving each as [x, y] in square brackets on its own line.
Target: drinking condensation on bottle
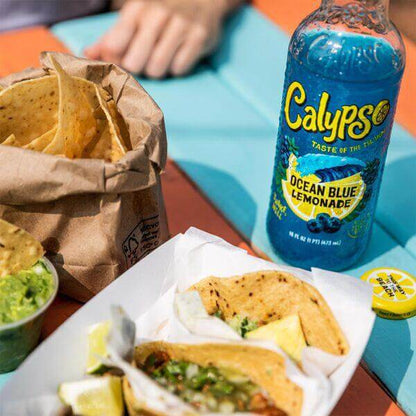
[344, 69]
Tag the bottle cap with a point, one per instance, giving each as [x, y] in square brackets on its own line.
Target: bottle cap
[394, 292]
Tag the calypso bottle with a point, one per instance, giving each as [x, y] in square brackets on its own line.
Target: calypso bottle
[343, 74]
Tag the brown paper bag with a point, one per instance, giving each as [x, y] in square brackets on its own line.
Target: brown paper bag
[94, 218]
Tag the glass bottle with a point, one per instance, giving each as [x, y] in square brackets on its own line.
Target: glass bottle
[344, 69]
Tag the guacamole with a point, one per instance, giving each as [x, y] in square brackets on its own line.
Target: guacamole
[23, 293]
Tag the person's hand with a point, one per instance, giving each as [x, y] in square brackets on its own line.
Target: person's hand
[161, 37]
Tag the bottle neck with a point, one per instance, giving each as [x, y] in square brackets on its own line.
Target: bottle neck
[380, 6]
[365, 15]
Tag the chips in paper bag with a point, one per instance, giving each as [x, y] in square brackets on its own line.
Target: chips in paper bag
[82, 118]
[82, 146]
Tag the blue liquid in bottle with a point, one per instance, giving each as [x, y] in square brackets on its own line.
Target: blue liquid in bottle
[343, 75]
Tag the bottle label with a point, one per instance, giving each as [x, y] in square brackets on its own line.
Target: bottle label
[331, 149]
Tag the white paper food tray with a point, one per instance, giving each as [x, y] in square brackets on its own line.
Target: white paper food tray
[193, 255]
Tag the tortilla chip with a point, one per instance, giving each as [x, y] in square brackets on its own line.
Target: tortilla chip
[41, 142]
[88, 88]
[266, 296]
[18, 249]
[29, 109]
[99, 99]
[76, 122]
[103, 128]
[12, 141]
[119, 122]
[270, 375]
[109, 146]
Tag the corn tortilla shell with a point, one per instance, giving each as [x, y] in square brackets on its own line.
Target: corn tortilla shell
[266, 296]
[18, 249]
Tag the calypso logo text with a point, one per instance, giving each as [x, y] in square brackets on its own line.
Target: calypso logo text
[350, 120]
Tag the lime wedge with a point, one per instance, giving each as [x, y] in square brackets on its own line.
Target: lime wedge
[286, 333]
[94, 397]
[97, 346]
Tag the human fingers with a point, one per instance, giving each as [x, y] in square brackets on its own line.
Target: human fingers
[170, 40]
[145, 38]
[114, 43]
[190, 51]
[93, 51]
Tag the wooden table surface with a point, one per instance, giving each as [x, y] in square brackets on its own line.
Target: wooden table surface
[186, 207]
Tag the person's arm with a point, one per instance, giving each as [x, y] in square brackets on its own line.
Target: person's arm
[161, 37]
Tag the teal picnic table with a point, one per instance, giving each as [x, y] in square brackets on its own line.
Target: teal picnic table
[222, 123]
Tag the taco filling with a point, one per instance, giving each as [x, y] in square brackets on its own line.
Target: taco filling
[241, 324]
[208, 388]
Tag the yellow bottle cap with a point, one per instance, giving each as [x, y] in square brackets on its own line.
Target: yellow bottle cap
[394, 292]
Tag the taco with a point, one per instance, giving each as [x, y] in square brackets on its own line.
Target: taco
[217, 379]
[261, 298]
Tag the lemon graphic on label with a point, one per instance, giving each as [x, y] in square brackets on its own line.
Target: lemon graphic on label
[394, 292]
[322, 192]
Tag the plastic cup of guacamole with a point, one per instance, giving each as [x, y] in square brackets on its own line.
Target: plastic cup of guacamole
[24, 299]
